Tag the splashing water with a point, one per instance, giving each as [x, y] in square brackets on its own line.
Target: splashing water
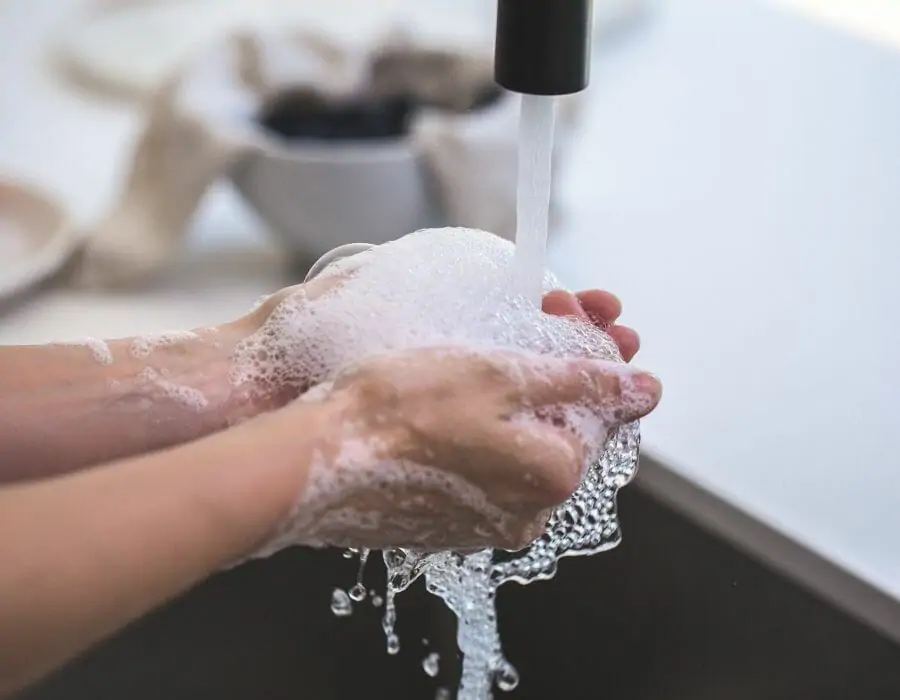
[340, 603]
[358, 592]
[585, 524]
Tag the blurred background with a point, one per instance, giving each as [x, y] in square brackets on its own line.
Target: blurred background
[732, 173]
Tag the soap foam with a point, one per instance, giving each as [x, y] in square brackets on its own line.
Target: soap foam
[437, 288]
[430, 288]
[99, 349]
[141, 347]
[185, 396]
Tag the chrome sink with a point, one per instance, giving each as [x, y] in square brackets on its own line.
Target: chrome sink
[674, 613]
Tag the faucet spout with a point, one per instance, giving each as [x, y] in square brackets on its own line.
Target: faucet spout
[543, 46]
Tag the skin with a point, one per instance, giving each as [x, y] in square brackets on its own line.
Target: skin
[61, 410]
[102, 412]
[177, 497]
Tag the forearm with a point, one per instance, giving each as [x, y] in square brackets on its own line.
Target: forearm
[63, 407]
[84, 554]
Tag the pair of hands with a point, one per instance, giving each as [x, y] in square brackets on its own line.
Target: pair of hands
[452, 448]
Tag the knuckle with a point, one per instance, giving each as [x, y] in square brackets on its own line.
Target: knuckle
[612, 387]
[560, 482]
[555, 467]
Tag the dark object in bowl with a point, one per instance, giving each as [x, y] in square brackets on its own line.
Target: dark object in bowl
[486, 97]
[304, 115]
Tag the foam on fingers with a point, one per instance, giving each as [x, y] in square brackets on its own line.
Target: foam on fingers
[433, 287]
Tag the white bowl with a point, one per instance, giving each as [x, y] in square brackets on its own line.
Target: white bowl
[315, 197]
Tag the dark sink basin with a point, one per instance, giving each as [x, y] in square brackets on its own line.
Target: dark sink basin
[674, 613]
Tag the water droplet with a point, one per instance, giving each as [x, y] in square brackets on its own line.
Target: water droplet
[442, 694]
[395, 558]
[377, 601]
[358, 593]
[393, 644]
[340, 603]
[431, 664]
[399, 582]
[507, 677]
[363, 558]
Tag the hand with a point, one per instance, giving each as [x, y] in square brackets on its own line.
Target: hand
[444, 448]
[593, 306]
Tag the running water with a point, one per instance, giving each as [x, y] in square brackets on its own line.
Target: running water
[536, 124]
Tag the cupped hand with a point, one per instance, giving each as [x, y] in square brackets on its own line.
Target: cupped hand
[597, 307]
[445, 448]
[591, 306]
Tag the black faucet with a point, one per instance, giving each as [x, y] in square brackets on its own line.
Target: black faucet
[543, 46]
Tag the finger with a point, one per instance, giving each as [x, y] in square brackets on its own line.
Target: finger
[619, 392]
[627, 339]
[562, 303]
[601, 307]
[548, 462]
[521, 462]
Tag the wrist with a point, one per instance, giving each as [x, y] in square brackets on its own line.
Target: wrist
[254, 394]
[251, 393]
[272, 461]
[184, 381]
[265, 372]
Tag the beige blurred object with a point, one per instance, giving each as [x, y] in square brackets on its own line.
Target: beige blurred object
[36, 239]
[177, 158]
[127, 47]
[201, 126]
[187, 143]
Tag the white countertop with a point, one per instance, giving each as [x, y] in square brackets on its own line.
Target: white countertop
[740, 171]
[737, 183]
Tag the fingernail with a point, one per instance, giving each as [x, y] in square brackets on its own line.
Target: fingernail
[638, 380]
[648, 383]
